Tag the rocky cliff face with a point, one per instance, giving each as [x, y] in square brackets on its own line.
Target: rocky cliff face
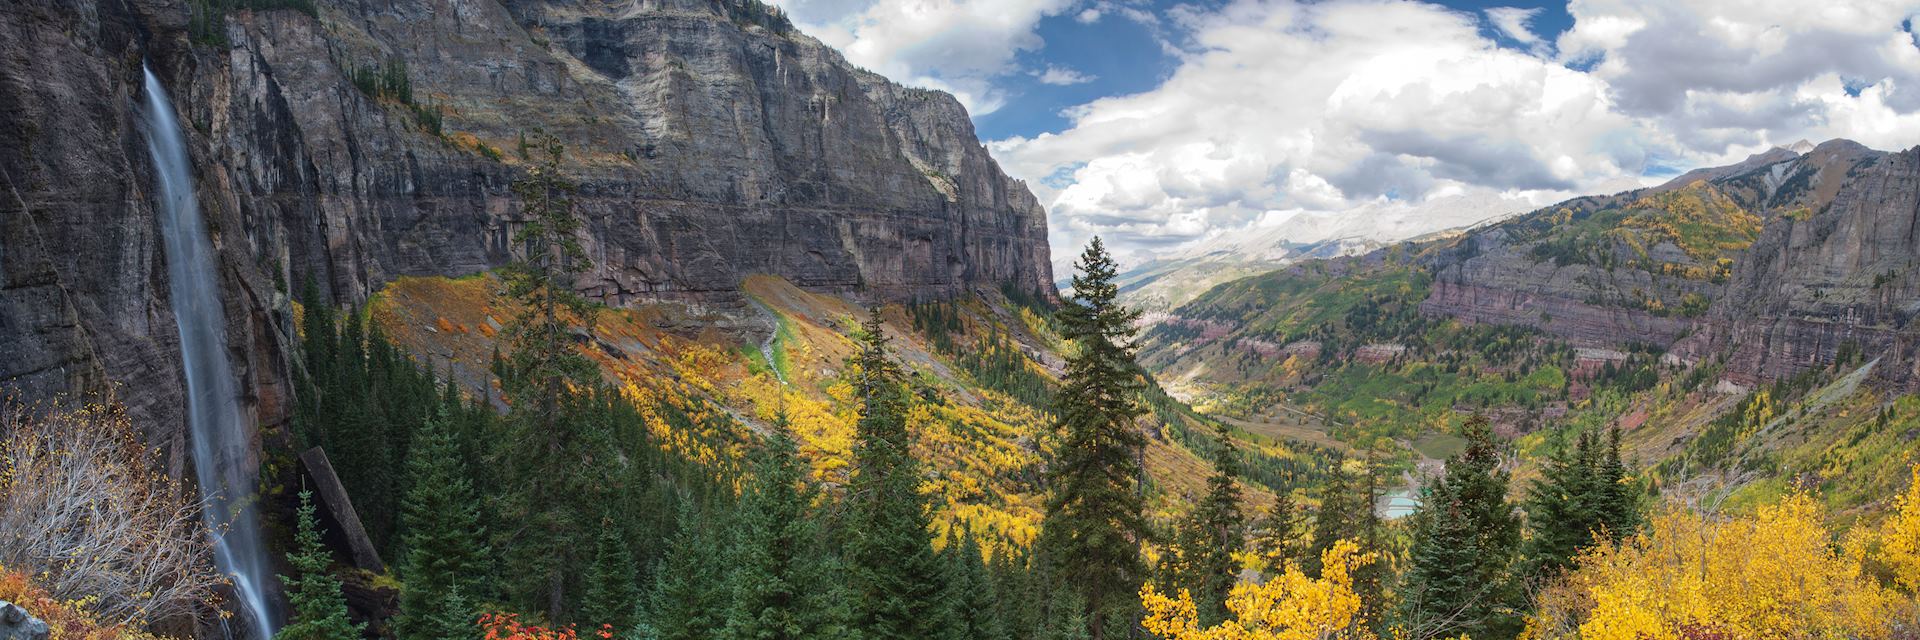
[1840, 277]
[710, 139]
[1771, 266]
[1498, 279]
[1817, 265]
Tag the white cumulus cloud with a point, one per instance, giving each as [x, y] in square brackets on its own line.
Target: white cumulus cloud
[1515, 22]
[959, 46]
[1062, 76]
[1338, 106]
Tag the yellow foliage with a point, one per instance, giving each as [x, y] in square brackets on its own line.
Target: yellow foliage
[1900, 536]
[66, 620]
[1291, 606]
[1769, 575]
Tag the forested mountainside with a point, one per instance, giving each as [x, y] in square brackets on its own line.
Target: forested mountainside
[655, 319]
[1731, 321]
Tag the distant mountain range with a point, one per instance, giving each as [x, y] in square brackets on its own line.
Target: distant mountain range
[1290, 237]
[1729, 320]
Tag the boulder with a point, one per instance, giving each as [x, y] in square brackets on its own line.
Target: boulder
[17, 624]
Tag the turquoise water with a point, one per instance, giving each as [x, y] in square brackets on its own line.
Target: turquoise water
[1398, 503]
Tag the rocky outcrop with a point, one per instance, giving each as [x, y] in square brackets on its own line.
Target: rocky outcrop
[1606, 291]
[1585, 304]
[1787, 261]
[1826, 272]
[710, 141]
[1842, 277]
[17, 624]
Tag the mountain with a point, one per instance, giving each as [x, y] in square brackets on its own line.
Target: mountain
[1287, 237]
[1783, 280]
[357, 142]
[745, 196]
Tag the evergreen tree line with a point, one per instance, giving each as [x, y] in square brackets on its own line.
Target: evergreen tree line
[994, 360]
[1464, 563]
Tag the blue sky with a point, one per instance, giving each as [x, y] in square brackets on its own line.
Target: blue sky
[1172, 125]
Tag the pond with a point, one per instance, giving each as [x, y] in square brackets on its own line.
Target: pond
[1398, 503]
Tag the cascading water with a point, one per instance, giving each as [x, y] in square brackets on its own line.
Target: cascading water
[213, 412]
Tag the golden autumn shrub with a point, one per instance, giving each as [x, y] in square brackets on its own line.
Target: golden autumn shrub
[1290, 606]
[1774, 574]
[66, 620]
[1899, 537]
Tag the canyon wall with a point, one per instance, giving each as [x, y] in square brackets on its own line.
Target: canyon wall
[710, 140]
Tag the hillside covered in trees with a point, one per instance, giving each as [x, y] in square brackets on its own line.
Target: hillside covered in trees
[662, 320]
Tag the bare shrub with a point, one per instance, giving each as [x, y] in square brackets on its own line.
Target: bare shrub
[86, 512]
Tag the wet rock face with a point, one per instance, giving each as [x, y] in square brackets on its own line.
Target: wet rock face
[710, 142]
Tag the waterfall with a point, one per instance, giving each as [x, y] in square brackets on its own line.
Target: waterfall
[219, 433]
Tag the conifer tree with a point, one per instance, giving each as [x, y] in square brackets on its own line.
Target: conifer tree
[316, 365]
[1206, 542]
[319, 609]
[541, 369]
[1274, 540]
[1465, 536]
[781, 581]
[1094, 522]
[893, 568]
[1018, 604]
[451, 617]
[687, 603]
[610, 591]
[971, 595]
[1583, 492]
[354, 431]
[1370, 579]
[542, 360]
[1338, 517]
[1619, 496]
[445, 561]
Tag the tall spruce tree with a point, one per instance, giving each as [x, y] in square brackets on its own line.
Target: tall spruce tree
[893, 567]
[319, 609]
[1465, 537]
[445, 561]
[1018, 603]
[688, 602]
[1338, 517]
[1094, 512]
[781, 576]
[1209, 537]
[316, 365]
[540, 370]
[1619, 505]
[1559, 508]
[612, 587]
[971, 596]
[1370, 579]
